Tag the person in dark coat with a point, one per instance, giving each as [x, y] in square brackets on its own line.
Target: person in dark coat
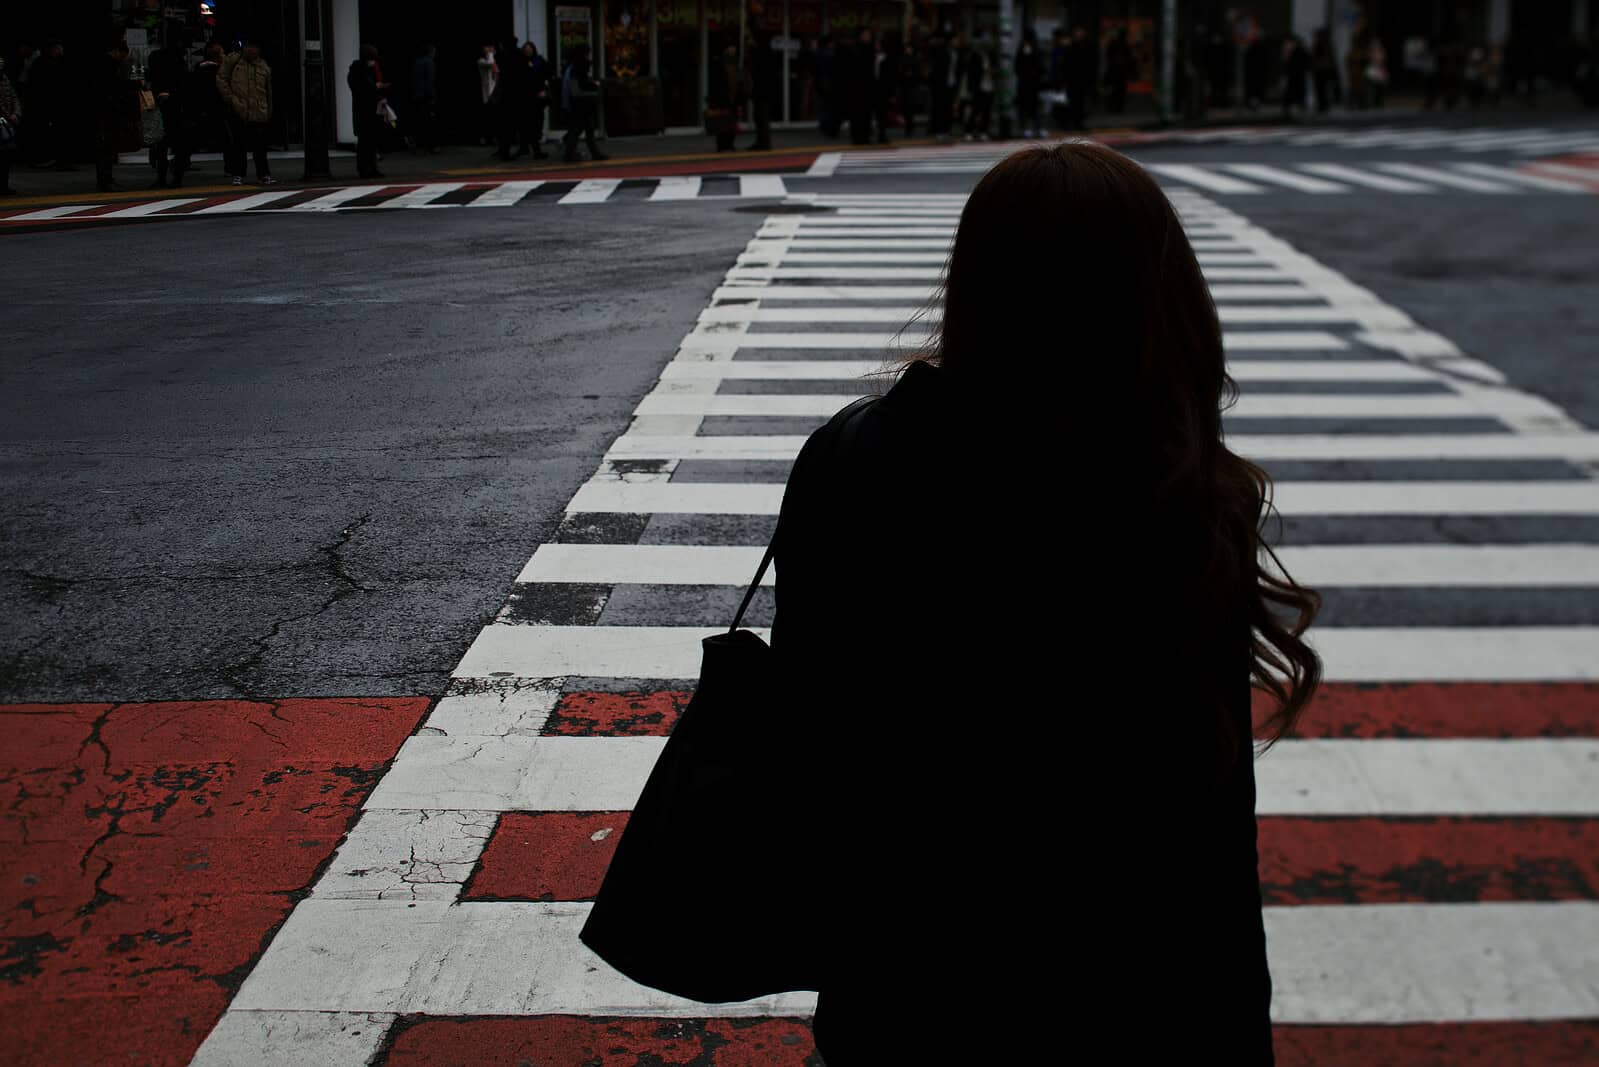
[862, 87]
[366, 93]
[202, 100]
[942, 73]
[1296, 76]
[885, 77]
[11, 115]
[766, 88]
[509, 95]
[978, 70]
[1029, 84]
[116, 105]
[580, 99]
[425, 99]
[912, 88]
[535, 91]
[1092, 822]
[45, 109]
[1324, 70]
[1118, 70]
[168, 75]
[724, 96]
[1255, 60]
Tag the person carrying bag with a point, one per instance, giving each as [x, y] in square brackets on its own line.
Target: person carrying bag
[710, 894]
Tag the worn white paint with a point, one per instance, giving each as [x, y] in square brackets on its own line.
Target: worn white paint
[425, 195]
[677, 187]
[407, 855]
[505, 194]
[592, 191]
[1576, 447]
[1351, 654]
[1317, 565]
[293, 1038]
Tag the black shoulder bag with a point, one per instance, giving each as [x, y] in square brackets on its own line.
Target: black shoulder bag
[709, 895]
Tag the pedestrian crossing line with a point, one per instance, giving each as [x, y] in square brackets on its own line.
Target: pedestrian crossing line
[761, 273]
[1587, 177]
[1440, 176]
[1356, 176]
[1319, 777]
[1352, 371]
[505, 194]
[1285, 177]
[1370, 315]
[828, 293]
[1350, 654]
[336, 198]
[761, 186]
[247, 203]
[592, 191]
[1249, 178]
[142, 210]
[516, 958]
[1314, 565]
[1221, 293]
[425, 195]
[945, 232]
[1576, 448]
[1204, 179]
[1509, 176]
[1290, 498]
[1256, 340]
[1519, 140]
[677, 187]
[1248, 406]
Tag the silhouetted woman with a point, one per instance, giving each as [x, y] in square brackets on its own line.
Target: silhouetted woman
[1021, 600]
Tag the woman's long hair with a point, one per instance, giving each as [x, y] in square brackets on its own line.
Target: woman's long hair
[1071, 278]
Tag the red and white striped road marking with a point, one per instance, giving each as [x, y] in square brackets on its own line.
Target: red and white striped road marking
[152, 847]
[1470, 751]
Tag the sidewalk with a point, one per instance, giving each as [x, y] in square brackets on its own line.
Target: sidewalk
[648, 155]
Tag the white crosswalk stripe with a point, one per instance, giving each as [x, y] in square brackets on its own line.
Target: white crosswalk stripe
[480, 194]
[1317, 178]
[1516, 140]
[706, 453]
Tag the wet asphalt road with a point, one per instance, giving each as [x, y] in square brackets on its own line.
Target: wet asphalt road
[296, 456]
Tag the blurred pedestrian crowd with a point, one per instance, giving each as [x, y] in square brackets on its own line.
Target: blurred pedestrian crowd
[189, 96]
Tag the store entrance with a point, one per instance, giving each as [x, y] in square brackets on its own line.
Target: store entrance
[399, 29]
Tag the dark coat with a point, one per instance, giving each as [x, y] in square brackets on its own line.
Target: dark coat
[115, 95]
[202, 100]
[363, 82]
[1029, 71]
[1023, 817]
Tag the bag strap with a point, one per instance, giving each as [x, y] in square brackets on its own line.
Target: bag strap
[749, 594]
[766, 560]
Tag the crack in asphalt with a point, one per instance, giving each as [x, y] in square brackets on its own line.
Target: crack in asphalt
[238, 674]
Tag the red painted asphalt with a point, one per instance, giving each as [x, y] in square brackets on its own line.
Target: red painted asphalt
[546, 855]
[154, 848]
[627, 1042]
[151, 849]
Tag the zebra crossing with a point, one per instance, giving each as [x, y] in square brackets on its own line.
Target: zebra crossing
[1516, 140]
[421, 196]
[1576, 175]
[1427, 846]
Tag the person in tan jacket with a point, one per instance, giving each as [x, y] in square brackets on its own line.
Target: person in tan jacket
[245, 84]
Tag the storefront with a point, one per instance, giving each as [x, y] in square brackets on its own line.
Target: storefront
[663, 49]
